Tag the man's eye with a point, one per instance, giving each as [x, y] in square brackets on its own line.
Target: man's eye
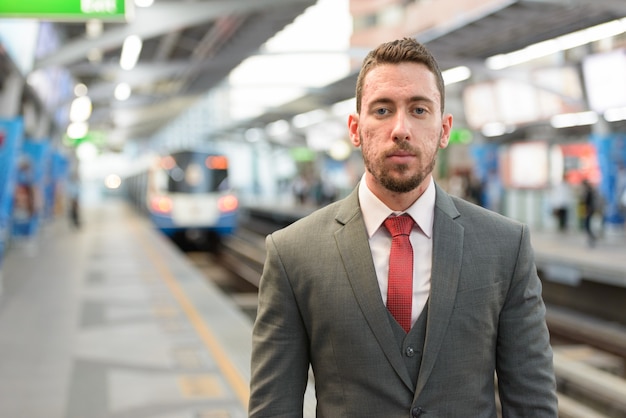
[420, 110]
[381, 111]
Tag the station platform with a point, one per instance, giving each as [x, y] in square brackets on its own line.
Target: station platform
[562, 257]
[112, 320]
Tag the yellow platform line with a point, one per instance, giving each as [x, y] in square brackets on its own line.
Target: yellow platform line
[234, 378]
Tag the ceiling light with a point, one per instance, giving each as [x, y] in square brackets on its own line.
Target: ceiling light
[86, 151]
[113, 181]
[615, 114]
[94, 55]
[456, 75]
[568, 120]
[495, 129]
[143, 3]
[94, 28]
[77, 130]
[561, 43]
[340, 150]
[80, 109]
[277, 128]
[253, 134]
[130, 52]
[80, 90]
[309, 118]
[122, 91]
[344, 107]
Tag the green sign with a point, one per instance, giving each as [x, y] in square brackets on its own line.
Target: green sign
[97, 138]
[302, 154]
[63, 10]
[461, 136]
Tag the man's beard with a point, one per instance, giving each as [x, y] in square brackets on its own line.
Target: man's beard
[393, 183]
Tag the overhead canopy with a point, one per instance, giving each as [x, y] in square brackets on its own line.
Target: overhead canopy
[189, 47]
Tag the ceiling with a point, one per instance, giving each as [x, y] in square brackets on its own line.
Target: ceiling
[188, 48]
[468, 41]
[191, 46]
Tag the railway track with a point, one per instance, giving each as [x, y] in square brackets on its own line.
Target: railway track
[589, 353]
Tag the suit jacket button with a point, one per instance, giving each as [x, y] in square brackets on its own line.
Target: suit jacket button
[410, 351]
[417, 412]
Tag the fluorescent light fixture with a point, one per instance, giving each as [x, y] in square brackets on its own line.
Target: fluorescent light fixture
[277, 128]
[94, 28]
[495, 129]
[254, 135]
[130, 52]
[77, 130]
[86, 151]
[615, 114]
[80, 109]
[568, 120]
[94, 55]
[340, 150]
[344, 107]
[112, 181]
[309, 118]
[561, 43]
[122, 91]
[80, 90]
[456, 75]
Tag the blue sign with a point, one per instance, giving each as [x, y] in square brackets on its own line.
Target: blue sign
[11, 136]
[29, 188]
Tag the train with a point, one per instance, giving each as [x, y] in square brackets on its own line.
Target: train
[187, 196]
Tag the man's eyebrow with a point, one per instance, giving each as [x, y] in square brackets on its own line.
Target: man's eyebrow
[422, 99]
[386, 100]
[381, 100]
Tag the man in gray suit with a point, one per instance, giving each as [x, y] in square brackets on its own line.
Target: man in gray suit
[476, 312]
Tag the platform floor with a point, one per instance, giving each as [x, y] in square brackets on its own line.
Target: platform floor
[112, 321]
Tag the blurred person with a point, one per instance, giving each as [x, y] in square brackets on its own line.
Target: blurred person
[470, 309]
[457, 185]
[327, 191]
[589, 203]
[73, 194]
[25, 199]
[561, 200]
[493, 191]
[301, 189]
[620, 188]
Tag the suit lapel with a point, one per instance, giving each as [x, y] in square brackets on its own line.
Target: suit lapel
[355, 252]
[447, 256]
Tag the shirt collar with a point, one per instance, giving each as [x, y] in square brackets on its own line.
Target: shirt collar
[375, 211]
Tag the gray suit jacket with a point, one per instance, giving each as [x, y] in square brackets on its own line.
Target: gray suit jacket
[320, 304]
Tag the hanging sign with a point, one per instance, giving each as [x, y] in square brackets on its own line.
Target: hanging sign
[65, 10]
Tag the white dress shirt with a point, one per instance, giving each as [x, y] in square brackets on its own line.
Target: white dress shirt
[423, 212]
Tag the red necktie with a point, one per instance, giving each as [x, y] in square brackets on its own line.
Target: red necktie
[400, 287]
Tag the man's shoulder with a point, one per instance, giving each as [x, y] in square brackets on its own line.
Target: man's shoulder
[473, 214]
[321, 218]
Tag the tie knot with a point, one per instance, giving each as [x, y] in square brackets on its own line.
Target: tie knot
[399, 225]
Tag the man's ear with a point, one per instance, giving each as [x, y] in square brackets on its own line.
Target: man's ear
[445, 131]
[353, 129]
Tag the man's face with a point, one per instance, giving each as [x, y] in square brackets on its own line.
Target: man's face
[400, 127]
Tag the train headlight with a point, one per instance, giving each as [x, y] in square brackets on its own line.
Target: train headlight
[227, 203]
[161, 204]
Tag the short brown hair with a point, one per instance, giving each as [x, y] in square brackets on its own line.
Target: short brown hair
[395, 52]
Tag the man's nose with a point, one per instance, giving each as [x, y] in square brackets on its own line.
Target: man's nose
[401, 127]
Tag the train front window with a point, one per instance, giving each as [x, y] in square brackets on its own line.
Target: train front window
[191, 174]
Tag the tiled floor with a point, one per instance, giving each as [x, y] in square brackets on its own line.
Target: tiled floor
[111, 321]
